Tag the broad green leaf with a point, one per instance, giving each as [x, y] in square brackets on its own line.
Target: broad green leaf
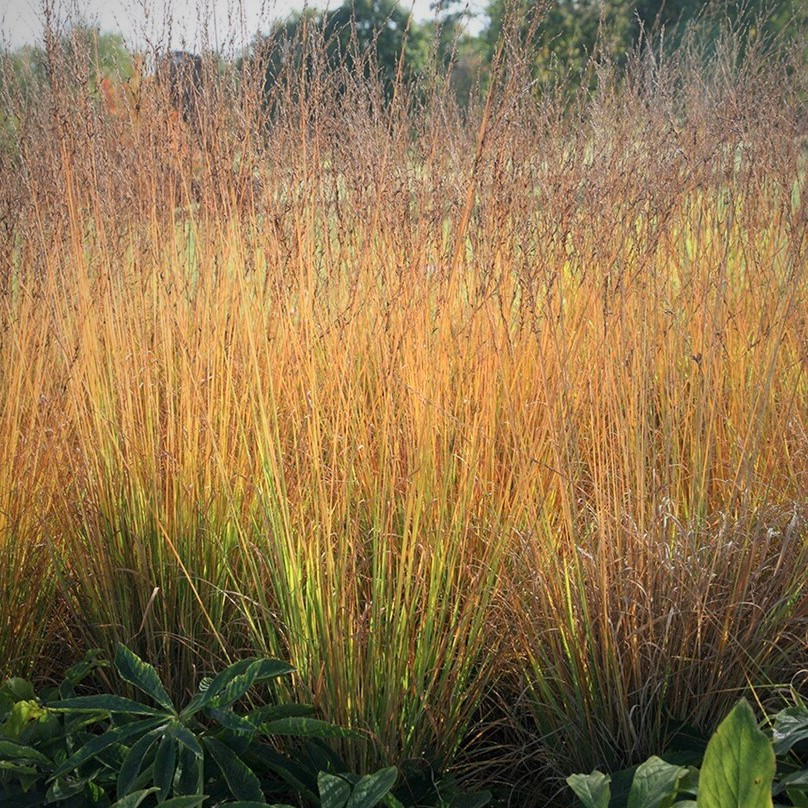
[21, 715]
[134, 799]
[591, 789]
[62, 789]
[790, 726]
[268, 668]
[10, 750]
[243, 783]
[231, 721]
[234, 689]
[143, 676]
[655, 784]
[334, 791]
[184, 802]
[689, 784]
[209, 688]
[251, 804]
[234, 681]
[18, 689]
[20, 769]
[798, 797]
[106, 704]
[273, 712]
[186, 738]
[303, 727]
[93, 659]
[371, 788]
[133, 762]
[739, 764]
[188, 776]
[101, 742]
[795, 780]
[260, 670]
[165, 764]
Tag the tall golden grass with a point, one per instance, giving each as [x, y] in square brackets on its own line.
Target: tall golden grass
[493, 422]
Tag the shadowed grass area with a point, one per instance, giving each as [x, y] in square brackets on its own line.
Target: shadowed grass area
[494, 424]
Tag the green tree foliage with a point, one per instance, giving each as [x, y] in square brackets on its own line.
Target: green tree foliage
[366, 37]
[566, 34]
[99, 53]
[457, 57]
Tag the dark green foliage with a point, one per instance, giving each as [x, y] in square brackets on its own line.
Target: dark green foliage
[739, 770]
[86, 751]
[565, 35]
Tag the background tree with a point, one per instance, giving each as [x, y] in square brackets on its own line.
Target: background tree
[565, 34]
[365, 37]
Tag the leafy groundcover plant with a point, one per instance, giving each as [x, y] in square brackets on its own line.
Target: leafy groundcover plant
[107, 750]
[742, 768]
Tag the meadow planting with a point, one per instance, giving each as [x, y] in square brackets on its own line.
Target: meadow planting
[491, 420]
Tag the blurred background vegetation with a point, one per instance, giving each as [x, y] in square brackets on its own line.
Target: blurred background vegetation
[564, 37]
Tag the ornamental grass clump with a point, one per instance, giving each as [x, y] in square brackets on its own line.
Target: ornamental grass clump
[491, 421]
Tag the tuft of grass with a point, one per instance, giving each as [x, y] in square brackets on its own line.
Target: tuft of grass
[449, 408]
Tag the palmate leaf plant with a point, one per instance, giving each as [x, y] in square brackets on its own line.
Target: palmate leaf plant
[742, 768]
[34, 740]
[155, 752]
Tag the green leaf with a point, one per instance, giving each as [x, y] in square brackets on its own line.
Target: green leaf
[18, 689]
[739, 764]
[251, 804]
[234, 681]
[101, 742]
[134, 799]
[231, 721]
[62, 789]
[790, 726]
[20, 769]
[591, 789]
[655, 784]
[371, 788]
[93, 659]
[165, 763]
[209, 688]
[273, 712]
[186, 738]
[21, 715]
[10, 750]
[795, 780]
[334, 791]
[303, 727]
[798, 797]
[689, 784]
[133, 762]
[106, 704]
[143, 676]
[243, 783]
[184, 802]
[188, 775]
[268, 668]
[234, 689]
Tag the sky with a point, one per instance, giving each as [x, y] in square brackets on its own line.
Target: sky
[168, 23]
